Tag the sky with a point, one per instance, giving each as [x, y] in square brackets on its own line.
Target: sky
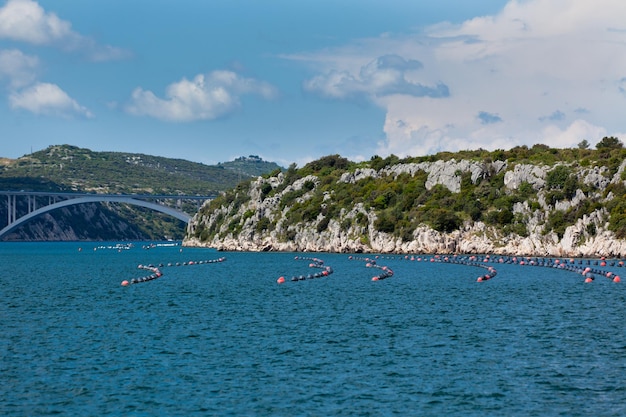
[293, 81]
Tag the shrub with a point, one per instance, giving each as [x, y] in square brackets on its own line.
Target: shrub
[385, 223]
[266, 188]
[445, 221]
[323, 224]
[262, 225]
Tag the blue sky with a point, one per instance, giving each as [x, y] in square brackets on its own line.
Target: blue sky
[292, 81]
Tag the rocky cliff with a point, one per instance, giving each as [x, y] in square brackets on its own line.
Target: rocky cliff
[261, 217]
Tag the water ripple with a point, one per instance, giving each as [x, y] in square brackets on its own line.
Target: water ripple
[224, 339]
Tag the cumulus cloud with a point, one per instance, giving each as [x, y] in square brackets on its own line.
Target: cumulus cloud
[581, 129]
[205, 97]
[383, 76]
[47, 99]
[26, 21]
[17, 68]
[547, 71]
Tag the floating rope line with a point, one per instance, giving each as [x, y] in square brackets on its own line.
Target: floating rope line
[156, 271]
[567, 265]
[470, 260]
[588, 272]
[386, 272]
[315, 263]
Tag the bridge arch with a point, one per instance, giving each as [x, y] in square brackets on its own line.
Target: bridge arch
[96, 199]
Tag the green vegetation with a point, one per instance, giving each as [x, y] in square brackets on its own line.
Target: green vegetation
[403, 202]
[66, 168]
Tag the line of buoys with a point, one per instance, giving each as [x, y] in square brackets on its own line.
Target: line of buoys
[588, 272]
[570, 265]
[156, 272]
[386, 272]
[469, 260]
[315, 263]
[211, 261]
[118, 247]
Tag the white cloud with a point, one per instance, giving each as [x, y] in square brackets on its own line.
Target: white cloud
[206, 97]
[47, 99]
[385, 75]
[519, 77]
[573, 134]
[18, 68]
[26, 21]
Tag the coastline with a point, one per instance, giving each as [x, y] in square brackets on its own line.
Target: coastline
[429, 241]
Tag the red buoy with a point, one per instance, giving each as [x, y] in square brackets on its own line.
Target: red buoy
[280, 280]
[616, 279]
[124, 283]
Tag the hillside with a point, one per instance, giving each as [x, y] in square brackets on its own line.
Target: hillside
[525, 201]
[70, 168]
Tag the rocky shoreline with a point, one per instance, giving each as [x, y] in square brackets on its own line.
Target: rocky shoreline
[472, 241]
[362, 237]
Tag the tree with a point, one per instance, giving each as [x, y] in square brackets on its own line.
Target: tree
[445, 221]
[609, 142]
[583, 144]
[557, 177]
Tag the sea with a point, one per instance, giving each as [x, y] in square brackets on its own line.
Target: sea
[215, 334]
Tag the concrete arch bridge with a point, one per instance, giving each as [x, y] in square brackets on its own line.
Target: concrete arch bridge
[58, 200]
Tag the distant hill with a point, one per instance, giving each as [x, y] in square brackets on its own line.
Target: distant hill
[537, 201]
[70, 168]
[65, 167]
[251, 165]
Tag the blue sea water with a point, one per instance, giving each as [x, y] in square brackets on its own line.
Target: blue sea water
[224, 339]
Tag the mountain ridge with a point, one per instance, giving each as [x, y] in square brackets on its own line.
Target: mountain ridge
[68, 168]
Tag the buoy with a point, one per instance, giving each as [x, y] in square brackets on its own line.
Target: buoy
[280, 280]
[616, 279]
[588, 279]
[124, 283]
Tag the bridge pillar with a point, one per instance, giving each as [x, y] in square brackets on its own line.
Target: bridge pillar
[32, 203]
[11, 209]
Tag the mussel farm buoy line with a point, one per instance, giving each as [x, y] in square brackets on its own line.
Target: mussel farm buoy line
[470, 260]
[156, 271]
[385, 273]
[314, 263]
[569, 265]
